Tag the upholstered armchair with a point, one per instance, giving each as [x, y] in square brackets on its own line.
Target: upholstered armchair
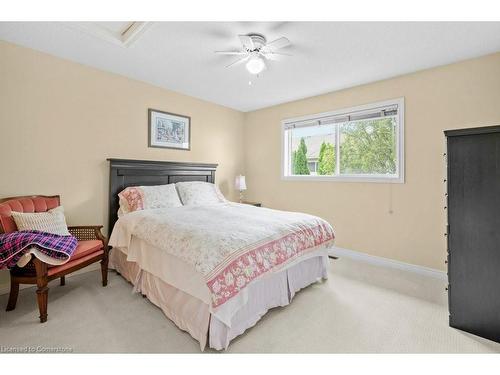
[92, 247]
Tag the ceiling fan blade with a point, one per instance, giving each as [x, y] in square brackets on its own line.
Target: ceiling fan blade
[247, 42]
[230, 52]
[277, 44]
[274, 56]
[240, 60]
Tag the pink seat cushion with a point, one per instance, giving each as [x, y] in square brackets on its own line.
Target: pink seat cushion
[73, 262]
[85, 248]
[26, 204]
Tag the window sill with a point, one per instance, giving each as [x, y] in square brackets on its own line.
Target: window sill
[359, 179]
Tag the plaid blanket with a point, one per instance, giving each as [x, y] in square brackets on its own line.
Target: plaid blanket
[14, 245]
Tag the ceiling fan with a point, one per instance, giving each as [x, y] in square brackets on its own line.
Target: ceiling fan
[256, 50]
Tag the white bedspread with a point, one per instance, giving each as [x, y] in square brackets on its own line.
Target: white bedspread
[230, 245]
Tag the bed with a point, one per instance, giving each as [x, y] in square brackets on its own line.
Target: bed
[214, 269]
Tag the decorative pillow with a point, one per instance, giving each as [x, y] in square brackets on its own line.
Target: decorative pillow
[52, 221]
[197, 193]
[135, 198]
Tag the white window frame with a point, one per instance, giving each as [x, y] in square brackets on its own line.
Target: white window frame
[400, 162]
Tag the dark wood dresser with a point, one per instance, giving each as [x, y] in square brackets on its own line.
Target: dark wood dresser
[473, 230]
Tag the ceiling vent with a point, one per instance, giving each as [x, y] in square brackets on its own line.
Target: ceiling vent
[120, 33]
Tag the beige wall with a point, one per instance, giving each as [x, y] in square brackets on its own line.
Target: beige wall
[461, 95]
[59, 122]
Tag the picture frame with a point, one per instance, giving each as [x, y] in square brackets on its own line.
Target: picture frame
[169, 130]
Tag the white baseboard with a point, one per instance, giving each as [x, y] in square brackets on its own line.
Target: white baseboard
[386, 262]
[5, 288]
[335, 251]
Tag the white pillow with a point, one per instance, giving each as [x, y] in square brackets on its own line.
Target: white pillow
[52, 221]
[197, 193]
[135, 198]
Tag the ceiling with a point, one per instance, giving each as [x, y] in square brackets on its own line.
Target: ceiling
[327, 56]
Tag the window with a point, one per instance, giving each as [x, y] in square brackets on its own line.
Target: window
[364, 143]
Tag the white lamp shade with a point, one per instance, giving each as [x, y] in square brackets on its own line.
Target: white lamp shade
[240, 183]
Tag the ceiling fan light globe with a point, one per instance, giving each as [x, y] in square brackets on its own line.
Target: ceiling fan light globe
[255, 65]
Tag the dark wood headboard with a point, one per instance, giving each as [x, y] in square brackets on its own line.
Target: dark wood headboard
[124, 173]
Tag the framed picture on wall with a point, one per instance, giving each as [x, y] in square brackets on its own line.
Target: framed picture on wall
[169, 130]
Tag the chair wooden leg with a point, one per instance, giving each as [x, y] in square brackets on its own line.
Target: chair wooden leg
[42, 295]
[104, 271]
[14, 292]
[63, 280]
[42, 292]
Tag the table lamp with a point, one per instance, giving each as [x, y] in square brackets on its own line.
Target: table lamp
[240, 185]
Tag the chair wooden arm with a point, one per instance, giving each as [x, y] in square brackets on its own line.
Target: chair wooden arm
[88, 232]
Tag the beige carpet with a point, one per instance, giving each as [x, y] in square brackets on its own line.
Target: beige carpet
[361, 308]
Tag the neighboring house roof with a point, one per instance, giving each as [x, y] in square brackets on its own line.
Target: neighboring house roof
[313, 144]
